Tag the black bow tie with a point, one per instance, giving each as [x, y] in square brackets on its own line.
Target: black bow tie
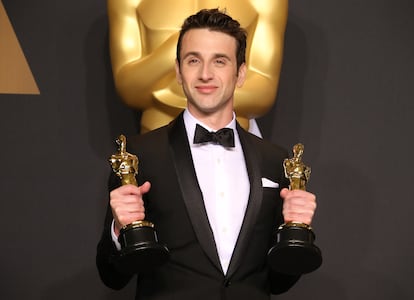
[224, 136]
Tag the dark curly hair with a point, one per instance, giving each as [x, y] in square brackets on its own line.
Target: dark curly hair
[216, 20]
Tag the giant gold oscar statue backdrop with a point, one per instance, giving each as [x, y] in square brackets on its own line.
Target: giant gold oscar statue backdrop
[143, 38]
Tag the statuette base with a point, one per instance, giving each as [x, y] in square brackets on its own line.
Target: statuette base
[294, 252]
[140, 249]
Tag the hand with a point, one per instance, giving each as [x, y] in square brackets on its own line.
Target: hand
[298, 206]
[127, 204]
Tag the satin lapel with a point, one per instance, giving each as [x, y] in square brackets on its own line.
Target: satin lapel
[255, 200]
[190, 189]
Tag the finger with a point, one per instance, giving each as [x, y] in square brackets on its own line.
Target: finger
[124, 220]
[128, 215]
[300, 203]
[299, 197]
[128, 189]
[127, 200]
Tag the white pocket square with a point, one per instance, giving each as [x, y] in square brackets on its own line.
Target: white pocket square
[268, 183]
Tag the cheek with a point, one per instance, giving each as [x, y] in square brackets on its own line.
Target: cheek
[186, 84]
[179, 79]
[186, 77]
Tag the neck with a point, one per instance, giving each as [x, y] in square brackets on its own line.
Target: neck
[215, 121]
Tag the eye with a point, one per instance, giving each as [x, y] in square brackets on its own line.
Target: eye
[193, 61]
[220, 61]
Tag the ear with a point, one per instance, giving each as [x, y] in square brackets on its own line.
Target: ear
[241, 76]
[178, 73]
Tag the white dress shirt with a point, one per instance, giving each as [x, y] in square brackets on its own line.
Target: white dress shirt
[224, 183]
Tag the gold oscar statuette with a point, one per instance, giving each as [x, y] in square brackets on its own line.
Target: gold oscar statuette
[294, 252]
[140, 249]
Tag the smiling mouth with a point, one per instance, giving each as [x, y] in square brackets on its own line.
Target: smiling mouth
[206, 89]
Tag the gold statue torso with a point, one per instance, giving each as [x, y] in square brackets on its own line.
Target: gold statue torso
[124, 164]
[295, 170]
[143, 37]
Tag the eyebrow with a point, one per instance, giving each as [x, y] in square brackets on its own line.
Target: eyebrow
[198, 54]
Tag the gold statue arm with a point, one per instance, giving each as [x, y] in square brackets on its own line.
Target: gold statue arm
[136, 72]
[264, 59]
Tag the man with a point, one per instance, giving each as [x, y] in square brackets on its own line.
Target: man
[216, 207]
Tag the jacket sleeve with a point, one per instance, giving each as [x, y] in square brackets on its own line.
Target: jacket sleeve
[107, 252]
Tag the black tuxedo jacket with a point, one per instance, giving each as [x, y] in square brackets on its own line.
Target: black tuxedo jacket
[175, 205]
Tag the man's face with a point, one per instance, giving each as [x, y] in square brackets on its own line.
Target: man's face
[208, 72]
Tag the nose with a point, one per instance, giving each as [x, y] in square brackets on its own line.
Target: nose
[206, 72]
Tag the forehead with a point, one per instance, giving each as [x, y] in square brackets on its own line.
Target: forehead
[206, 42]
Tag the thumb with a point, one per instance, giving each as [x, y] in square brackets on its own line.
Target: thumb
[145, 187]
[284, 192]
